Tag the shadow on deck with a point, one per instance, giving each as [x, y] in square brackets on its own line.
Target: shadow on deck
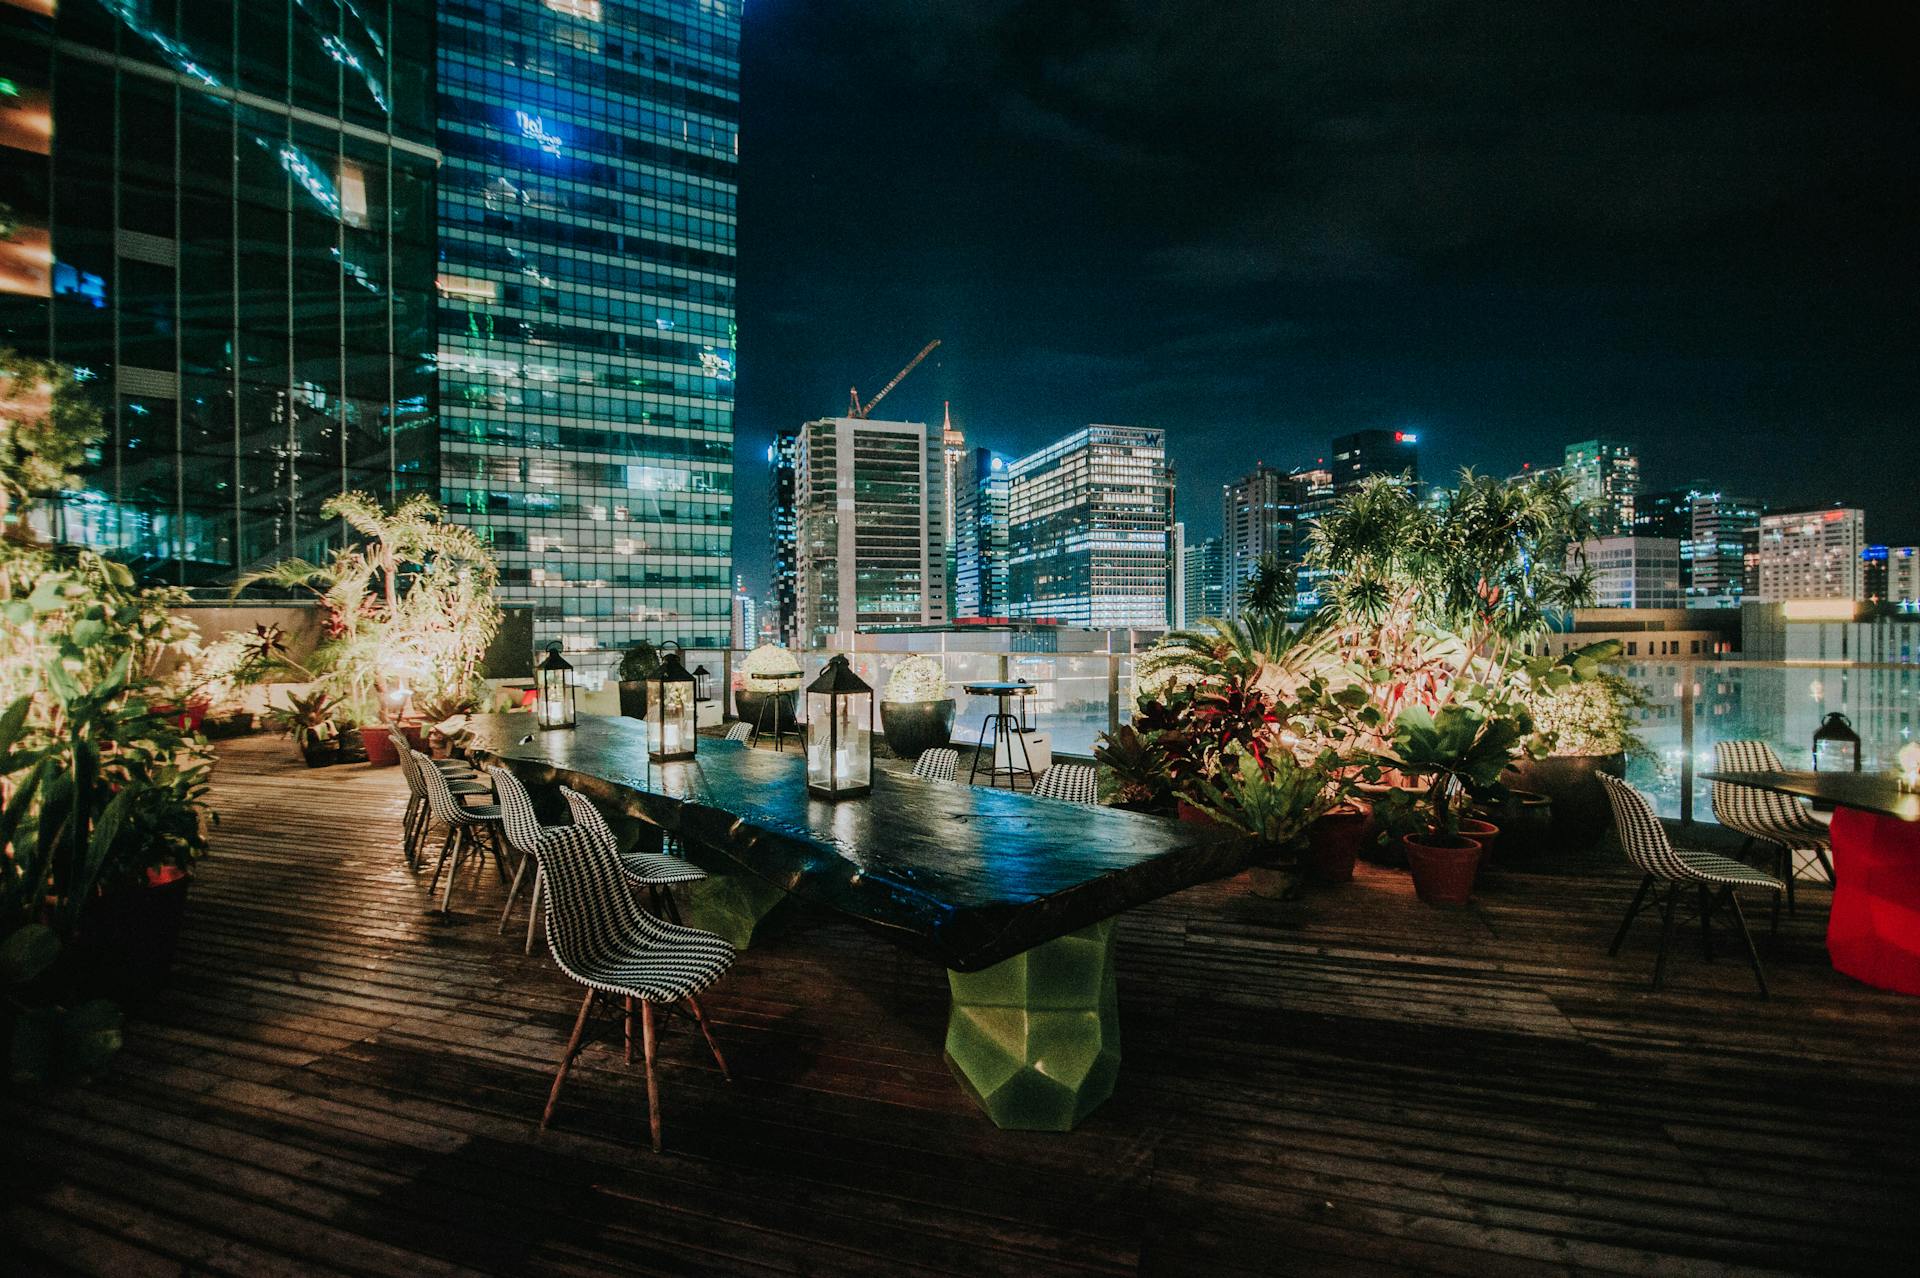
[338, 1081]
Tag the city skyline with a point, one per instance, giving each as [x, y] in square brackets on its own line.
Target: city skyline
[1721, 282]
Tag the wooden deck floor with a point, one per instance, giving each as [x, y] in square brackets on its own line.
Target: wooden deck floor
[1351, 1083]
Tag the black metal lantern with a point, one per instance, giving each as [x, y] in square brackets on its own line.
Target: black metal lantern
[1836, 746]
[553, 704]
[670, 712]
[702, 684]
[839, 733]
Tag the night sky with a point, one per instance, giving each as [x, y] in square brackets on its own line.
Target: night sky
[1258, 225]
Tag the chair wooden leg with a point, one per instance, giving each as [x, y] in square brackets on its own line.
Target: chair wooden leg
[1619, 937]
[1666, 937]
[453, 871]
[1706, 923]
[513, 890]
[566, 1061]
[446, 850]
[653, 1084]
[1753, 955]
[627, 1025]
[533, 906]
[700, 1019]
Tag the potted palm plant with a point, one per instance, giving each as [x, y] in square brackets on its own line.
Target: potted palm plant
[1461, 747]
[639, 663]
[915, 711]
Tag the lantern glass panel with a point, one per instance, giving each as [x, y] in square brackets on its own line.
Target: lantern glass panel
[553, 706]
[1836, 746]
[671, 715]
[839, 741]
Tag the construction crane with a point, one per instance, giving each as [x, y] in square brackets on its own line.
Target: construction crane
[856, 409]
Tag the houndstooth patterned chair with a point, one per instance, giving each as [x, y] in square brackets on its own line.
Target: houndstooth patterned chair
[655, 871]
[740, 731]
[1712, 876]
[1763, 816]
[603, 940]
[413, 825]
[941, 763]
[471, 831]
[1074, 782]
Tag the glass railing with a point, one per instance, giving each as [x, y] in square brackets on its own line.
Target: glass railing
[1691, 705]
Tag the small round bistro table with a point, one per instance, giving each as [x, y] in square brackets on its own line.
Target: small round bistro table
[1001, 726]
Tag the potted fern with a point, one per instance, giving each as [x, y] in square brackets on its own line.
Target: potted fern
[915, 710]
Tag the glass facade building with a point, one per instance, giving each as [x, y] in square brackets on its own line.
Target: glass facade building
[1258, 518]
[586, 314]
[221, 215]
[980, 536]
[1606, 479]
[1205, 576]
[783, 455]
[1375, 452]
[1091, 530]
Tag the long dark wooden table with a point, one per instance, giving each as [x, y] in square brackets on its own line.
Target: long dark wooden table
[1873, 930]
[1014, 895]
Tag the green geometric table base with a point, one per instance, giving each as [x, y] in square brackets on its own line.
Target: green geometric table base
[1035, 1039]
[742, 908]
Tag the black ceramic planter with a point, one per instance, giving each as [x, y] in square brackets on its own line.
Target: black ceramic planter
[1581, 813]
[748, 703]
[914, 727]
[633, 698]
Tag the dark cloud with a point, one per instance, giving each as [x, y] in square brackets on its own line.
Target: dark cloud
[1259, 225]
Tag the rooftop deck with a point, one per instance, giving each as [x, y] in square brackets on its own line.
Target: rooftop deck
[338, 1081]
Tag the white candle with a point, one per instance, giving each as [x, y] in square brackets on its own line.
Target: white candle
[671, 736]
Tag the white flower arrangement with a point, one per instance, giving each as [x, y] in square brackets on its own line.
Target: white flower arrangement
[771, 668]
[917, 678]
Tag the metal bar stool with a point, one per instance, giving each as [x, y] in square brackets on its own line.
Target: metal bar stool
[1002, 727]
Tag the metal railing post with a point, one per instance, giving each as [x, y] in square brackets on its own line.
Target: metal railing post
[1686, 743]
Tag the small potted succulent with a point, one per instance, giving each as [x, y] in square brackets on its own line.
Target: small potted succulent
[769, 674]
[638, 664]
[915, 710]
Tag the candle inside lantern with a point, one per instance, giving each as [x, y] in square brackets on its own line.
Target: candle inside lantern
[1909, 761]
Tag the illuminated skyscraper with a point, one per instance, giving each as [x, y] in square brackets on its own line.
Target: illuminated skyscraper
[1090, 520]
[1606, 478]
[1205, 573]
[1375, 452]
[783, 455]
[953, 452]
[1712, 557]
[1258, 514]
[221, 215]
[1811, 554]
[586, 306]
[980, 532]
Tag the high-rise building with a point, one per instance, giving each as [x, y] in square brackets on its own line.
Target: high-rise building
[587, 311]
[221, 215]
[980, 537]
[1606, 479]
[953, 453]
[1177, 569]
[1365, 453]
[1810, 554]
[1206, 581]
[1632, 572]
[783, 456]
[744, 629]
[1891, 575]
[1315, 487]
[1666, 513]
[1712, 558]
[1090, 520]
[869, 526]
[1258, 520]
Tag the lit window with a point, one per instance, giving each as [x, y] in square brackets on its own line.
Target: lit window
[585, 10]
[470, 289]
[352, 185]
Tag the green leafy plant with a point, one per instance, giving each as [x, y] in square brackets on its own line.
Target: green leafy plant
[1582, 705]
[1455, 751]
[640, 661]
[1271, 795]
[308, 718]
[1133, 770]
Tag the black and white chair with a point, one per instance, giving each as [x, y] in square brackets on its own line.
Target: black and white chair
[471, 832]
[657, 872]
[461, 781]
[740, 731]
[1074, 782]
[1765, 817]
[940, 763]
[1713, 877]
[604, 940]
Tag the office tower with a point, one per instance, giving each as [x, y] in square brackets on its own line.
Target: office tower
[1891, 575]
[1206, 576]
[783, 456]
[953, 454]
[1666, 513]
[1713, 556]
[1366, 453]
[1810, 554]
[744, 629]
[586, 316]
[1258, 514]
[1317, 494]
[980, 537]
[1177, 586]
[220, 214]
[1089, 519]
[1606, 478]
[1632, 572]
[868, 526]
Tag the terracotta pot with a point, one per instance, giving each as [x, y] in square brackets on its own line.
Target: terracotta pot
[1482, 832]
[1526, 827]
[1581, 814]
[189, 716]
[1334, 841]
[378, 739]
[1187, 812]
[1443, 873]
[127, 937]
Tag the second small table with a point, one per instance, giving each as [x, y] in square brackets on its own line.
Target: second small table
[1004, 728]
